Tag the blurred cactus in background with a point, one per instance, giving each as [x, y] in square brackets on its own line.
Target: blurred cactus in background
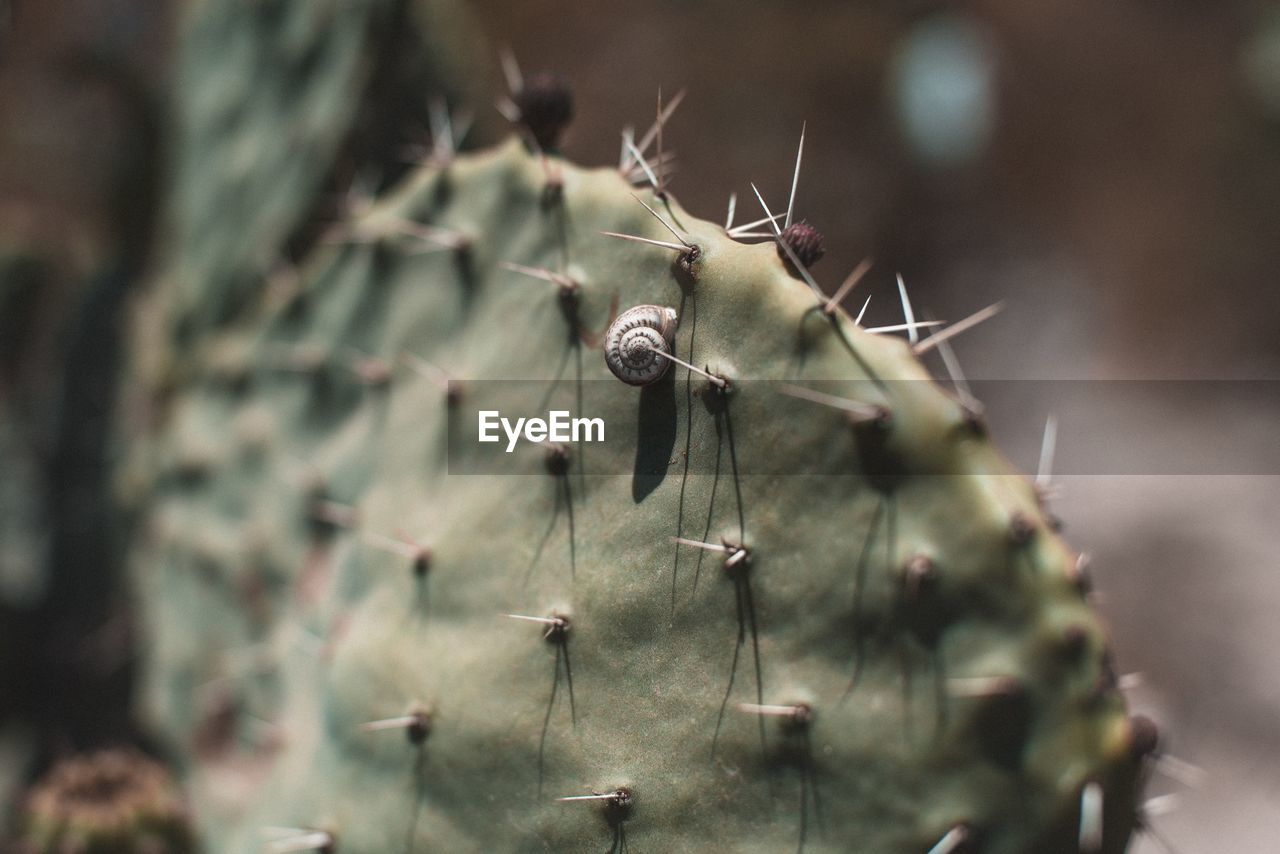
[104, 802]
[79, 136]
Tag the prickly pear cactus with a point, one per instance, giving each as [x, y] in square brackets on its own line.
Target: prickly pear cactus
[271, 97]
[880, 644]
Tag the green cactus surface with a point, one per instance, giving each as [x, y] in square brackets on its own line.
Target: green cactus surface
[885, 648]
[271, 97]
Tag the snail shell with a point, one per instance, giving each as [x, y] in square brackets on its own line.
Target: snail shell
[634, 341]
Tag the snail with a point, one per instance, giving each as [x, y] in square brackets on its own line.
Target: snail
[634, 341]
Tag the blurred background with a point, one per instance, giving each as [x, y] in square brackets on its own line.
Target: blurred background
[1108, 168]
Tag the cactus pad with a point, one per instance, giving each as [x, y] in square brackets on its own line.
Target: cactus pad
[881, 644]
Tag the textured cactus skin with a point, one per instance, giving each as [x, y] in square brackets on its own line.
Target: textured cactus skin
[267, 96]
[257, 612]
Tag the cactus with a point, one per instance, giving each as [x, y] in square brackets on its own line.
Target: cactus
[839, 623]
[273, 99]
[106, 802]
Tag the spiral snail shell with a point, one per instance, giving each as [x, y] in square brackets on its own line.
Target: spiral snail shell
[635, 339]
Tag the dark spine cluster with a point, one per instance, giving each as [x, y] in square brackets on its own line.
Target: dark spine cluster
[545, 102]
[805, 241]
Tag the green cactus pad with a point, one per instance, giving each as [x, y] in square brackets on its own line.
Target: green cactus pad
[269, 95]
[901, 658]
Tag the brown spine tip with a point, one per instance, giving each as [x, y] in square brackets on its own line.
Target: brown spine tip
[419, 728]
[879, 421]
[558, 629]
[918, 577]
[687, 262]
[569, 292]
[800, 719]
[1144, 736]
[1107, 683]
[1075, 639]
[805, 241]
[618, 807]
[1021, 528]
[717, 390]
[960, 838]
[422, 563]
[545, 103]
[1080, 575]
[974, 420]
[557, 460]
[737, 557]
